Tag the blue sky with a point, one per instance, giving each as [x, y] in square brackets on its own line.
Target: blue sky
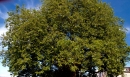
[121, 9]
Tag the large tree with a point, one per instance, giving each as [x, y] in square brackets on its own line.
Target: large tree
[72, 35]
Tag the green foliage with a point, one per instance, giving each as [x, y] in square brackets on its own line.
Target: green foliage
[76, 34]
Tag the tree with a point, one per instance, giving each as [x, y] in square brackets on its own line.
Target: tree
[72, 35]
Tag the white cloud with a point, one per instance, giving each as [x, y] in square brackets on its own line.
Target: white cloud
[128, 30]
[3, 70]
[3, 12]
[30, 4]
[2, 29]
[3, 15]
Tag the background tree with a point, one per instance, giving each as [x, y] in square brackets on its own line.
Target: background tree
[72, 35]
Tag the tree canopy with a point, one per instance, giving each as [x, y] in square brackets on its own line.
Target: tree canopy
[72, 35]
